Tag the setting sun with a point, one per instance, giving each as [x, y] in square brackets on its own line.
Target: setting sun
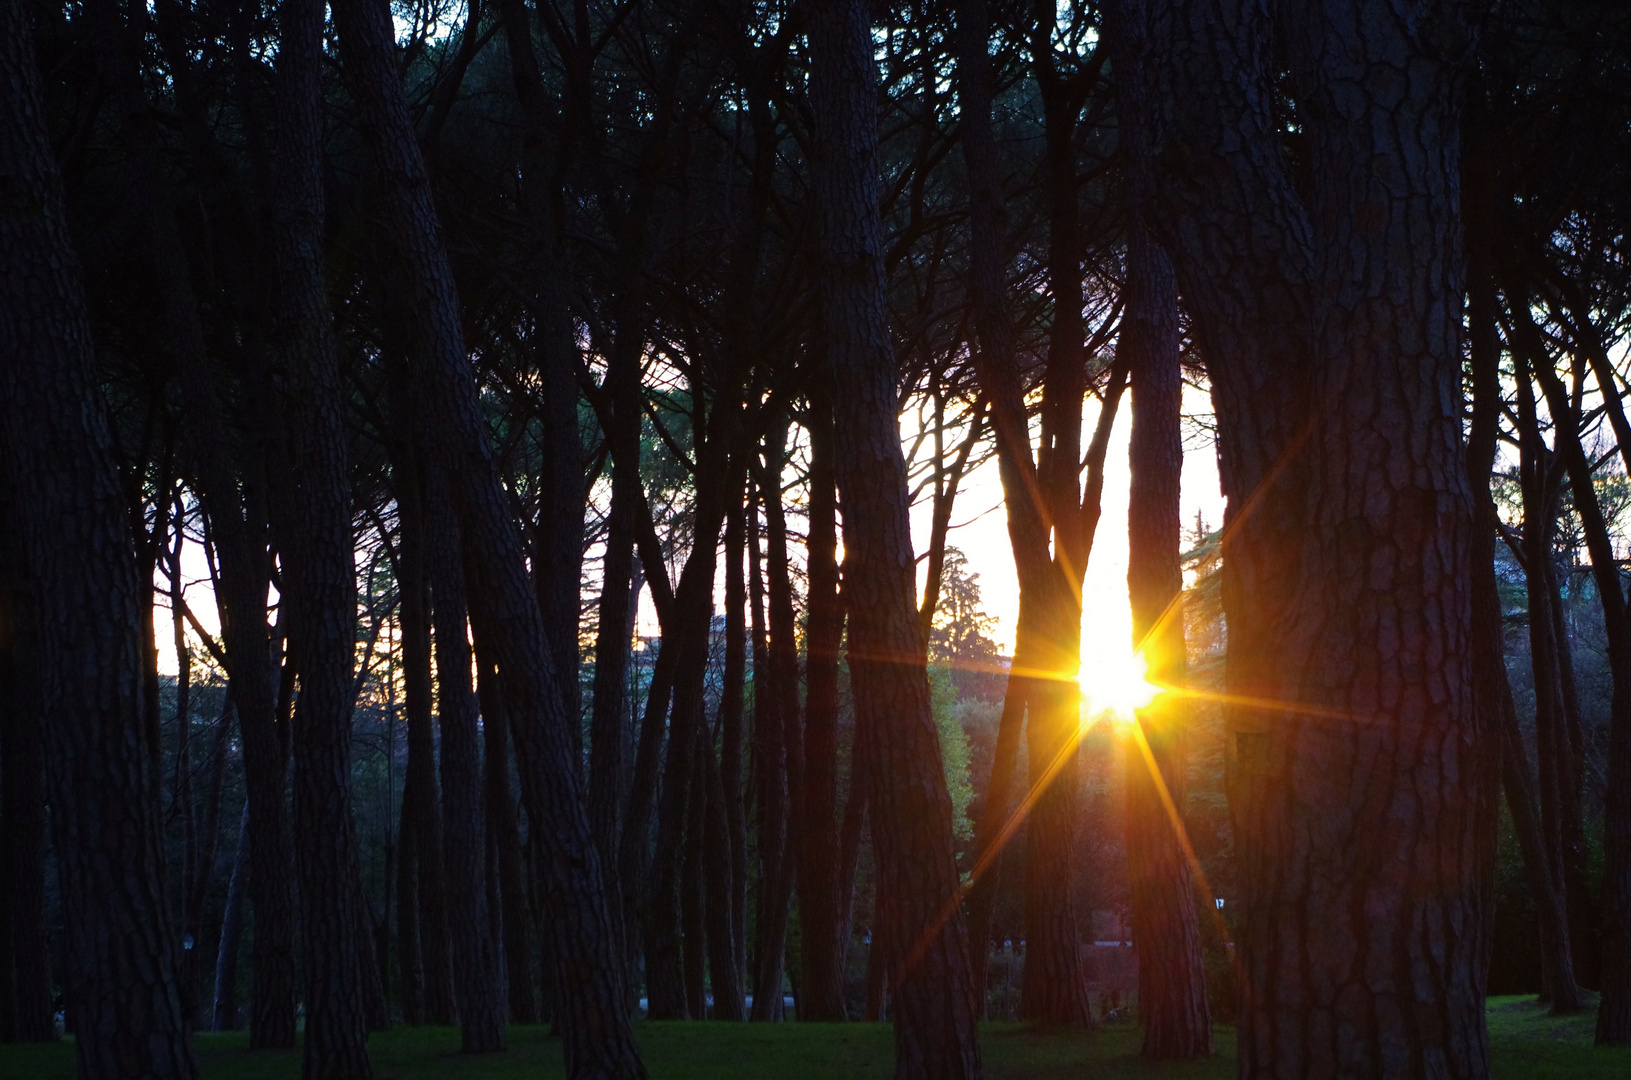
[1115, 684]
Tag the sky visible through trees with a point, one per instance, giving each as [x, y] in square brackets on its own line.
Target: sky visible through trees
[597, 513]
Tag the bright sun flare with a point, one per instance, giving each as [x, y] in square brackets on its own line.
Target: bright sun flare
[1116, 684]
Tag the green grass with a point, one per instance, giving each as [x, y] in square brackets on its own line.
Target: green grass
[1528, 1045]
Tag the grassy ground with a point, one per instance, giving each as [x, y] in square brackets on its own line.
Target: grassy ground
[1528, 1044]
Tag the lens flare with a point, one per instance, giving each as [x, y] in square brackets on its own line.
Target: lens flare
[1117, 686]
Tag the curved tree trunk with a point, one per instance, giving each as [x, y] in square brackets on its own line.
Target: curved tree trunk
[63, 497]
[934, 1019]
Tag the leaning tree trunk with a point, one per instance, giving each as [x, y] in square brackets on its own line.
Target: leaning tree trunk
[225, 1010]
[319, 570]
[509, 627]
[475, 954]
[1166, 933]
[933, 1011]
[63, 497]
[1326, 295]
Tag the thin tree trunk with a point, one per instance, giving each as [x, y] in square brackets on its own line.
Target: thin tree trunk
[770, 779]
[475, 954]
[693, 919]
[225, 1011]
[422, 816]
[730, 756]
[1172, 1003]
[933, 1011]
[821, 993]
[724, 962]
[60, 485]
[506, 833]
[410, 962]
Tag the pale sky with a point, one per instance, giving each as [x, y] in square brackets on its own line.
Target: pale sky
[979, 529]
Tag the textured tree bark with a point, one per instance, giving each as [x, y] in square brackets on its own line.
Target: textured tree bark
[1172, 1003]
[319, 573]
[509, 628]
[225, 1011]
[64, 502]
[821, 994]
[474, 953]
[25, 959]
[523, 1002]
[934, 1018]
[1327, 297]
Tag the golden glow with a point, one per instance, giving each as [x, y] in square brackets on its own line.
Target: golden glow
[1117, 685]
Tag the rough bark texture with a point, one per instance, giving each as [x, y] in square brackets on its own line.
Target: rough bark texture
[1326, 297]
[509, 628]
[63, 498]
[933, 1011]
[475, 954]
[319, 576]
[25, 960]
[1171, 981]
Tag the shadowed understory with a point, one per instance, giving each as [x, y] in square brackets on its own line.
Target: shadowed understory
[1528, 1045]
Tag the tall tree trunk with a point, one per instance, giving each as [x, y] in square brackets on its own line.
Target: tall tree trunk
[225, 1011]
[421, 811]
[25, 958]
[821, 994]
[1491, 685]
[319, 573]
[934, 1018]
[731, 735]
[1614, 1007]
[1335, 360]
[475, 954]
[1166, 933]
[693, 614]
[198, 882]
[771, 769]
[693, 900]
[410, 961]
[509, 628]
[60, 485]
[722, 889]
[506, 835]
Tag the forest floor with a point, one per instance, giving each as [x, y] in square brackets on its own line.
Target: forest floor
[1528, 1045]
